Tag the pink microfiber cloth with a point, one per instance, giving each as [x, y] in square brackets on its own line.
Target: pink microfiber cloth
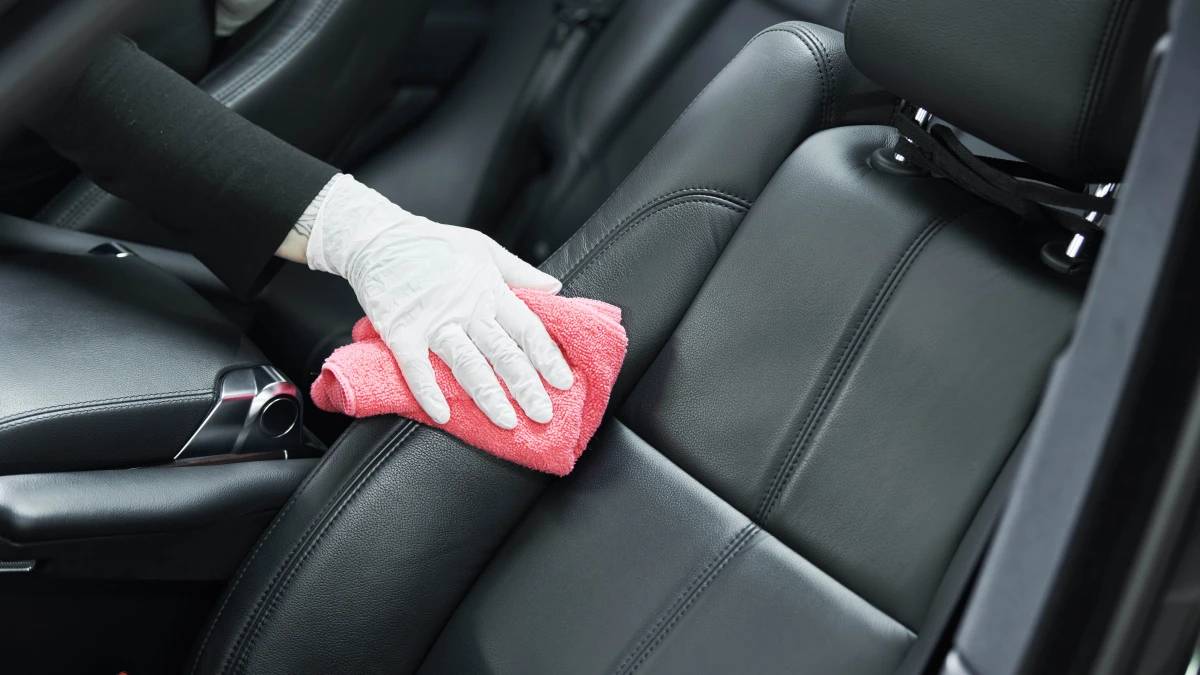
[362, 379]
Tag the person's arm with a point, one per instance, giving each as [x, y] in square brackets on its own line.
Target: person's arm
[229, 189]
[237, 196]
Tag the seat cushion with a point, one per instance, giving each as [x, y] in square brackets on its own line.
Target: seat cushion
[634, 565]
[828, 367]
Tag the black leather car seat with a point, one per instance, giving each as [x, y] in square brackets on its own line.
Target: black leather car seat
[829, 366]
[307, 71]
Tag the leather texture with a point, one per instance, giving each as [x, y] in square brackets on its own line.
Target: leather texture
[50, 506]
[307, 75]
[828, 368]
[1058, 84]
[109, 362]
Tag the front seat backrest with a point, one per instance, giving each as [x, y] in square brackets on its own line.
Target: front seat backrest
[828, 367]
[307, 74]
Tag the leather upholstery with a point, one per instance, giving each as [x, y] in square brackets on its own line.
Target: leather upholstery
[57, 506]
[109, 362]
[307, 75]
[604, 123]
[437, 170]
[828, 368]
[1058, 84]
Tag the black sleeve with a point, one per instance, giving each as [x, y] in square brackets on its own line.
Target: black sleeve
[229, 189]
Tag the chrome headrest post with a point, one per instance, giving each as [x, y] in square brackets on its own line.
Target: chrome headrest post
[922, 117]
[1096, 190]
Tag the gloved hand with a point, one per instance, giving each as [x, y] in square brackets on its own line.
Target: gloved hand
[427, 286]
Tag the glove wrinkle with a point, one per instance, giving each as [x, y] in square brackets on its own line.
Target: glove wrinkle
[432, 287]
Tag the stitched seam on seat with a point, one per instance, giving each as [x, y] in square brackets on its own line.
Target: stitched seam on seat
[258, 546]
[572, 268]
[844, 363]
[147, 403]
[1095, 83]
[711, 490]
[849, 14]
[683, 596]
[689, 597]
[296, 41]
[842, 366]
[829, 75]
[246, 564]
[308, 549]
[344, 498]
[670, 204]
[586, 255]
[118, 399]
[276, 17]
[824, 69]
[388, 446]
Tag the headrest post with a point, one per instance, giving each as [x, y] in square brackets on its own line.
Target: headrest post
[1059, 85]
[923, 118]
[1096, 190]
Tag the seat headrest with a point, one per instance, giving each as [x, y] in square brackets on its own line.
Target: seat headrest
[1057, 83]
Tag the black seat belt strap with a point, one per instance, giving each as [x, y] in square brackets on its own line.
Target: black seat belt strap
[940, 152]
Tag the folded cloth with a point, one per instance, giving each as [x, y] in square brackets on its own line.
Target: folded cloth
[362, 379]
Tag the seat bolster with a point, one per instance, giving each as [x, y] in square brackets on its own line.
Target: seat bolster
[369, 558]
[728, 141]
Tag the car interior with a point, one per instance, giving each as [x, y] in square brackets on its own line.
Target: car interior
[876, 416]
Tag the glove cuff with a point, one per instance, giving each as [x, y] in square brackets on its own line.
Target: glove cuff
[348, 222]
[311, 221]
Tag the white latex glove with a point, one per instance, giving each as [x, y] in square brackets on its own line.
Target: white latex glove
[427, 286]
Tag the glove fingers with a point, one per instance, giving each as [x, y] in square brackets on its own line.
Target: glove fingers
[418, 374]
[519, 274]
[513, 367]
[474, 374]
[530, 335]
